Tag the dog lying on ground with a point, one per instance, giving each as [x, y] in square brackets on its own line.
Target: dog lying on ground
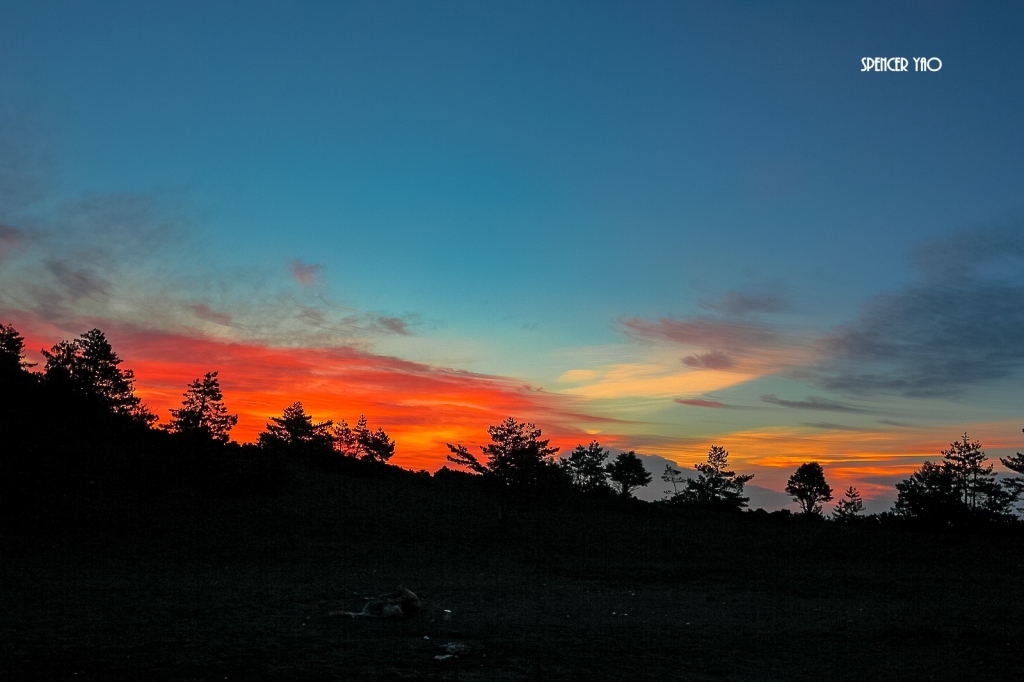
[400, 603]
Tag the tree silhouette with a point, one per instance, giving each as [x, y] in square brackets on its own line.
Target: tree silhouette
[849, 507]
[516, 455]
[715, 486]
[89, 366]
[1014, 485]
[808, 487]
[928, 494]
[585, 467]
[361, 442]
[627, 473]
[377, 446]
[675, 477]
[12, 350]
[973, 480]
[345, 439]
[296, 430]
[202, 411]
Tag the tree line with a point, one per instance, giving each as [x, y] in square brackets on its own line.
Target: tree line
[84, 376]
[89, 369]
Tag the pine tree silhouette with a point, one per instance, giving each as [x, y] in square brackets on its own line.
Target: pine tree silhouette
[202, 411]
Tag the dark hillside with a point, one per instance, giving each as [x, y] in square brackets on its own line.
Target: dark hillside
[183, 584]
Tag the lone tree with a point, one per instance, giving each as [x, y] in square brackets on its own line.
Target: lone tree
[516, 455]
[973, 480]
[202, 412]
[89, 366]
[716, 486]
[961, 485]
[12, 350]
[585, 467]
[361, 442]
[808, 487]
[627, 473]
[849, 507]
[673, 476]
[296, 430]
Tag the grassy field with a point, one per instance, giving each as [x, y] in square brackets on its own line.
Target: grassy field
[184, 587]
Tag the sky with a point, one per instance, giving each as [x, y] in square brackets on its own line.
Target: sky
[663, 226]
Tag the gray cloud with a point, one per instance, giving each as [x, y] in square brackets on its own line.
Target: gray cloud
[960, 324]
[927, 341]
[203, 312]
[696, 402]
[394, 325]
[311, 316]
[811, 403]
[963, 252]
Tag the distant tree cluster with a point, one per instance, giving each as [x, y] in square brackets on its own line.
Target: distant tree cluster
[962, 486]
[519, 459]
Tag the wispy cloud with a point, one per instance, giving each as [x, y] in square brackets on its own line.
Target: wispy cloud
[811, 403]
[697, 402]
[77, 284]
[720, 335]
[739, 303]
[711, 360]
[830, 426]
[109, 257]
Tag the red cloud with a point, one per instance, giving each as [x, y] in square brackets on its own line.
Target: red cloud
[304, 274]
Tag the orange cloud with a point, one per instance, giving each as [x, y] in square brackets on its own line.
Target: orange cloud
[421, 406]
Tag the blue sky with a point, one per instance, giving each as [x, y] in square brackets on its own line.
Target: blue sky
[530, 187]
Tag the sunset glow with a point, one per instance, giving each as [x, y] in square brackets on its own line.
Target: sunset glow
[695, 230]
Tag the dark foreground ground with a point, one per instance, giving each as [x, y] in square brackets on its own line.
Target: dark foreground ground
[184, 587]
